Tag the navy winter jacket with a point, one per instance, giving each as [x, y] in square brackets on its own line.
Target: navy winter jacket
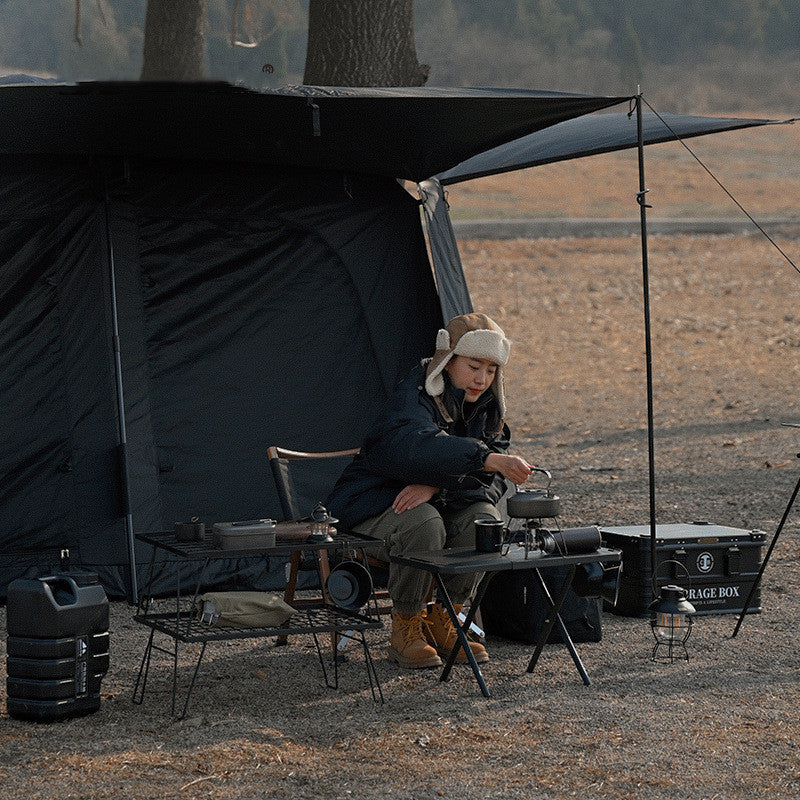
[413, 442]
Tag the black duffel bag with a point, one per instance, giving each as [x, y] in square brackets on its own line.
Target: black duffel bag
[514, 607]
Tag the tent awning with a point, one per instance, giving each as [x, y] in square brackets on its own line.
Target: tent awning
[410, 133]
[591, 135]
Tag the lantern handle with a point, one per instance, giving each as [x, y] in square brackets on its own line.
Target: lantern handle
[656, 587]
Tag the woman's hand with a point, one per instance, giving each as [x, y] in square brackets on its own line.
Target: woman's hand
[514, 468]
[412, 496]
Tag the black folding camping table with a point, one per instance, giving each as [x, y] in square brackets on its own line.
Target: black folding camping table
[460, 561]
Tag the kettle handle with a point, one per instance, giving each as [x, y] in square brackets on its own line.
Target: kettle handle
[544, 472]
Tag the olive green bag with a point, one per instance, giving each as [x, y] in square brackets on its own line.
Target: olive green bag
[242, 609]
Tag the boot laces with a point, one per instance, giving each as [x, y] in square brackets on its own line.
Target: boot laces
[440, 627]
[412, 629]
[443, 619]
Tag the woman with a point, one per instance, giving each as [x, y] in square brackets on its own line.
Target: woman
[435, 460]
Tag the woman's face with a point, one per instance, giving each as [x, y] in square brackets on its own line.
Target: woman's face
[473, 375]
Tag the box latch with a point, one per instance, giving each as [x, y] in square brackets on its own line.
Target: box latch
[679, 560]
[733, 561]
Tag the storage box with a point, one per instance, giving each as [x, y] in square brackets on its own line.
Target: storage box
[715, 564]
[253, 534]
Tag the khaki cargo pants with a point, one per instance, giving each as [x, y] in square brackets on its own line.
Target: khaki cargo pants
[425, 528]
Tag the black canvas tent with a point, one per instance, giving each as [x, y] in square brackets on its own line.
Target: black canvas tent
[191, 273]
[591, 135]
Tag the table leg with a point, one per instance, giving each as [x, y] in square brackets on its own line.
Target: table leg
[289, 590]
[144, 669]
[553, 618]
[191, 683]
[461, 641]
[143, 603]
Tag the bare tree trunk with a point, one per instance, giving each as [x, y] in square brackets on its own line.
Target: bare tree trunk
[362, 43]
[174, 41]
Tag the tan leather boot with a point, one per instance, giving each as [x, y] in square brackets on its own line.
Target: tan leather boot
[441, 633]
[407, 645]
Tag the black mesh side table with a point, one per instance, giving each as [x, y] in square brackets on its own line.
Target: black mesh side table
[182, 626]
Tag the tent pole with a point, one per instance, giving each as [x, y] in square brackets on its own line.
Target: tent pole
[123, 437]
[757, 582]
[640, 198]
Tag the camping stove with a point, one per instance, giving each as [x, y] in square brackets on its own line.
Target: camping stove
[539, 506]
[535, 506]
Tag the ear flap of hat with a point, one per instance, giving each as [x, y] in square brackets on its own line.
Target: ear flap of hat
[442, 340]
[499, 392]
[434, 382]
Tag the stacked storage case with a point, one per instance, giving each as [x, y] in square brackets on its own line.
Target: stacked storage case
[57, 646]
[715, 565]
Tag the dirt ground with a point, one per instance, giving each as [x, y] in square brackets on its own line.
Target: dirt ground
[726, 341]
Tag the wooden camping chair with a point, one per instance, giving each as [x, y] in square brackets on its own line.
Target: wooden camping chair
[302, 479]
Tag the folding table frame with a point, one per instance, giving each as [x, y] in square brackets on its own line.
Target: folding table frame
[460, 561]
[182, 626]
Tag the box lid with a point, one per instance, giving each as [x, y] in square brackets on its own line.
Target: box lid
[688, 532]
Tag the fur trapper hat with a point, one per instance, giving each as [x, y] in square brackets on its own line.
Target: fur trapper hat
[475, 336]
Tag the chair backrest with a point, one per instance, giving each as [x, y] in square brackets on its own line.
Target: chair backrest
[304, 479]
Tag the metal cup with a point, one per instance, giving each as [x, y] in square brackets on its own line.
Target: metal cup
[489, 535]
[190, 531]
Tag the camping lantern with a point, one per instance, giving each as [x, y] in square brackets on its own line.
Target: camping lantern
[321, 524]
[671, 623]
